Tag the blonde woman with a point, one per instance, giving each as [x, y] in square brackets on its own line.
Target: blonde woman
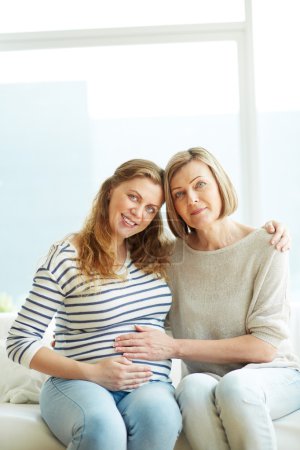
[229, 315]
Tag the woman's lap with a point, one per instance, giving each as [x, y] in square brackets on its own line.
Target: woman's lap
[244, 402]
[78, 410]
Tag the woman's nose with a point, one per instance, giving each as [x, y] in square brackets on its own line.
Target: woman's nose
[192, 197]
[137, 211]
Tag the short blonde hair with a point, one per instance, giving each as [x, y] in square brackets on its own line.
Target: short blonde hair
[226, 188]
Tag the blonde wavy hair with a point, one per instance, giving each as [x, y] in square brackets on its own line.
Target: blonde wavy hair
[227, 192]
[149, 249]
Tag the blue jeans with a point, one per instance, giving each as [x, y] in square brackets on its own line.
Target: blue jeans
[237, 411]
[86, 416]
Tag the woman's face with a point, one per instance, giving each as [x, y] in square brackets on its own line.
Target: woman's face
[133, 204]
[196, 195]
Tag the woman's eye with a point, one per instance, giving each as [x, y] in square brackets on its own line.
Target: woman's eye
[178, 195]
[200, 184]
[133, 197]
[150, 209]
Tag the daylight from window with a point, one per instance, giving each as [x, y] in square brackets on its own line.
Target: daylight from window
[69, 116]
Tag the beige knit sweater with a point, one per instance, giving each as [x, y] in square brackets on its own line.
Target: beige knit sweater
[233, 291]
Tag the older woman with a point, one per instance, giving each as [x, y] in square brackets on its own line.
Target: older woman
[229, 315]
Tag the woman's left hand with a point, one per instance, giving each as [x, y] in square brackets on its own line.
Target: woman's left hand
[281, 237]
[148, 344]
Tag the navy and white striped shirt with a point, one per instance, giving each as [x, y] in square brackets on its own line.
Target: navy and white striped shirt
[88, 314]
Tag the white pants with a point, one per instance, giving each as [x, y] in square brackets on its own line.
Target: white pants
[236, 412]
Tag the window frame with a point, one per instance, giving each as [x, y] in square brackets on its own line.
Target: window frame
[239, 32]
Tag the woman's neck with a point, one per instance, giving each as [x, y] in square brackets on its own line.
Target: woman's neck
[120, 251]
[218, 235]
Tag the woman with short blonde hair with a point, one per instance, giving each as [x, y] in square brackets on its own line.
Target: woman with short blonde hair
[226, 188]
[229, 315]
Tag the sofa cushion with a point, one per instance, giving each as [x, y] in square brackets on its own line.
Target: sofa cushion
[17, 383]
[6, 321]
[22, 427]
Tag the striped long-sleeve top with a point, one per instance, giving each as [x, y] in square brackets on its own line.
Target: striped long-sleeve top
[88, 314]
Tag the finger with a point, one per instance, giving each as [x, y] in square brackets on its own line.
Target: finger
[126, 337]
[138, 376]
[129, 343]
[283, 240]
[139, 328]
[130, 349]
[133, 386]
[137, 356]
[123, 360]
[270, 227]
[281, 244]
[141, 370]
[138, 369]
[278, 235]
[134, 381]
[129, 346]
[135, 376]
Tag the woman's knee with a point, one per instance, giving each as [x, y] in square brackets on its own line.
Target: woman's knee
[100, 429]
[86, 419]
[156, 406]
[237, 389]
[194, 389]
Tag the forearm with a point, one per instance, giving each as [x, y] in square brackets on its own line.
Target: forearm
[51, 363]
[242, 349]
[155, 345]
[115, 374]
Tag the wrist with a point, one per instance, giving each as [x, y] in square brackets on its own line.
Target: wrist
[176, 349]
[85, 371]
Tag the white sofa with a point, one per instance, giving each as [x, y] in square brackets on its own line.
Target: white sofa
[21, 425]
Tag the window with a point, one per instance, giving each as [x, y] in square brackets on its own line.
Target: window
[34, 15]
[278, 104]
[183, 77]
[71, 116]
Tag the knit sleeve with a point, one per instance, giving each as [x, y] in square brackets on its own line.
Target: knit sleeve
[44, 299]
[268, 315]
[168, 326]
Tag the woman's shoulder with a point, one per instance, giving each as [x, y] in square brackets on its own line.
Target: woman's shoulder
[60, 251]
[261, 237]
[259, 244]
[256, 243]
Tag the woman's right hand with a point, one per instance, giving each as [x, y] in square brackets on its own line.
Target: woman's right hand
[116, 373]
[119, 374]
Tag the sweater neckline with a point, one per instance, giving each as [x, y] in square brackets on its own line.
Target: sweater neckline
[223, 249]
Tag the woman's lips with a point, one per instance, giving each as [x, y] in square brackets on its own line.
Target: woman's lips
[197, 211]
[127, 221]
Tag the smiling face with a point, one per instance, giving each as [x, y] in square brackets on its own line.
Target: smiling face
[133, 204]
[196, 195]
